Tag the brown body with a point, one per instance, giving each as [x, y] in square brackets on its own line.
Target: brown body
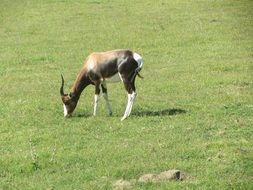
[98, 69]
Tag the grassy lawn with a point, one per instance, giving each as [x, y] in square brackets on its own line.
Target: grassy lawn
[193, 112]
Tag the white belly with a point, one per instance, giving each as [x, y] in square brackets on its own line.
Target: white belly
[114, 78]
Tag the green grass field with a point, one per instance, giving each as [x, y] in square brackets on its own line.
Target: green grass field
[193, 112]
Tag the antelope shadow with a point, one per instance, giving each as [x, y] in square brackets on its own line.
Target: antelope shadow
[164, 112]
[140, 113]
[86, 115]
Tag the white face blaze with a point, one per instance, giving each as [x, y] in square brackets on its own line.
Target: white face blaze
[65, 111]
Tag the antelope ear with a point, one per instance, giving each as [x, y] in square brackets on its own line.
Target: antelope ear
[72, 96]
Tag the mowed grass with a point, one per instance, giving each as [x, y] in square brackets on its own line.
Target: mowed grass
[193, 111]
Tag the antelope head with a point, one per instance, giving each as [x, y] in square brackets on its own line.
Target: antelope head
[69, 102]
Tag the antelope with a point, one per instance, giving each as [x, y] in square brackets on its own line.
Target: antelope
[100, 68]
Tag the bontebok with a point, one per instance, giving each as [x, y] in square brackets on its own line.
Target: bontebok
[100, 68]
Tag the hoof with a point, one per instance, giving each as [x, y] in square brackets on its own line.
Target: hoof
[123, 118]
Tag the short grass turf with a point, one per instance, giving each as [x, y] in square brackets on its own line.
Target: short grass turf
[193, 111]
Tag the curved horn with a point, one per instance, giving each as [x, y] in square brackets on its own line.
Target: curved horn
[62, 85]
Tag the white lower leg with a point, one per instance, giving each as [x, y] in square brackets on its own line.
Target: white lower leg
[129, 106]
[107, 103]
[96, 98]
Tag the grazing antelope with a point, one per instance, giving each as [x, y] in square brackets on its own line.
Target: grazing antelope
[100, 68]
